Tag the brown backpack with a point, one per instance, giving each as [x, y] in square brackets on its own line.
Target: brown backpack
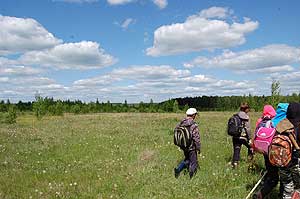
[280, 150]
[281, 147]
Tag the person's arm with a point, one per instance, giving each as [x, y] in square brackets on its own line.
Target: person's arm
[196, 136]
[248, 129]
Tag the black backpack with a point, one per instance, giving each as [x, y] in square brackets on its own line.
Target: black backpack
[234, 126]
[183, 137]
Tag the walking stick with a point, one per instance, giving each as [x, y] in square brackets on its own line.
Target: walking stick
[256, 185]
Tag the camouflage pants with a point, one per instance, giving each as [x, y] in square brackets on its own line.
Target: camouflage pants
[290, 179]
[191, 160]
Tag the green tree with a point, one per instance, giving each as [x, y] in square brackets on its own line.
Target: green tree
[275, 93]
[175, 106]
[39, 107]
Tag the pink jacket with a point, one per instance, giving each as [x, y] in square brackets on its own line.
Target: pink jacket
[268, 112]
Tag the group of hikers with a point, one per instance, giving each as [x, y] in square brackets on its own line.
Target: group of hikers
[276, 137]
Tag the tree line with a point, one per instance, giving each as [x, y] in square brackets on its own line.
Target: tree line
[48, 106]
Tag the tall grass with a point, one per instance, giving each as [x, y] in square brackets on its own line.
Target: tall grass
[128, 155]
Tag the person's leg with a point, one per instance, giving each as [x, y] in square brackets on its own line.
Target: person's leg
[182, 165]
[250, 150]
[287, 183]
[236, 151]
[296, 175]
[270, 180]
[193, 163]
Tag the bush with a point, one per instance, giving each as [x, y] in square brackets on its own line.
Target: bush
[9, 117]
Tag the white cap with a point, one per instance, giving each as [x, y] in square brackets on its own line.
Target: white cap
[191, 111]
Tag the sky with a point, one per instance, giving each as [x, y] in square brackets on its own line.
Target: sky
[138, 50]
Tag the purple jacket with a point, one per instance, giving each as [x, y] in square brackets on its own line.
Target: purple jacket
[193, 128]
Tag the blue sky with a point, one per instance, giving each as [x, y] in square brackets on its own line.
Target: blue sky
[138, 50]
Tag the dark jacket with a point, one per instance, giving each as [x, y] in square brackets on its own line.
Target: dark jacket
[193, 128]
[293, 115]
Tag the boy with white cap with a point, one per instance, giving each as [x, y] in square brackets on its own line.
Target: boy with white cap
[190, 161]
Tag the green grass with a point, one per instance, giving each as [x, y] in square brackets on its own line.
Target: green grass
[126, 155]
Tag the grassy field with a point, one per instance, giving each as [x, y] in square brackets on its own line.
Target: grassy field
[126, 155]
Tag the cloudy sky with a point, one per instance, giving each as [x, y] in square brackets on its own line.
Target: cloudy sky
[138, 50]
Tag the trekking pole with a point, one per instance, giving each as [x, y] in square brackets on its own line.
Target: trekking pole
[256, 185]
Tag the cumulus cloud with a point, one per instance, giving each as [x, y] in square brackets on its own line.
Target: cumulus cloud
[159, 83]
[149, 72]
[199, 33]
[271, 58]
[216, 12]
[118, 2]
[19, 70]
[25, 88]
[13, 68]
[18, 35]
[82, 55]
[76, 1]
[161, 3]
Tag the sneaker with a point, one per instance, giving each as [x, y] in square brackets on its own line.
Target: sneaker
[234, 165]
[176, 173]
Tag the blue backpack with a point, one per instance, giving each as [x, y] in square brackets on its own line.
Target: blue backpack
[280, 113]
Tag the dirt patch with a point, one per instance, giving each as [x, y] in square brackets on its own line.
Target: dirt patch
[147, 155]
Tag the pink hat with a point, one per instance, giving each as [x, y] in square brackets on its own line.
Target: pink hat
[269, 111]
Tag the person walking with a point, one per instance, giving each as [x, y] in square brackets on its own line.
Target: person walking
[271, 178]
[290, 175]
[244, 137]
[190, 152]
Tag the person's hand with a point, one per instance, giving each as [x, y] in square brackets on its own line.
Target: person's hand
[250, 142]
[296, 153]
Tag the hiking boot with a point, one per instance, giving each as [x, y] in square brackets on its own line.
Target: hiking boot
[234, 165]
[176, 173]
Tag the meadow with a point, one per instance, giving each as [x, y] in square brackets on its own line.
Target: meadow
[118, 155]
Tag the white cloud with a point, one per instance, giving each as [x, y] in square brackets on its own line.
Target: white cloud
[127, 22]
[271, 58]
[76, 1]
[19, 70]
[198, 33]
[4, 79]
[216, 12]
[96, 81]
[161, 3]
[13, 68]
[148, 72]
[19, 35]
[141, 83]
[82, 55]
[118, 2]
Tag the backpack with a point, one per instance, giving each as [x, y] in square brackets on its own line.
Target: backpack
[280, 150]
[234, 126]
[263, 136]
[182, 137]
